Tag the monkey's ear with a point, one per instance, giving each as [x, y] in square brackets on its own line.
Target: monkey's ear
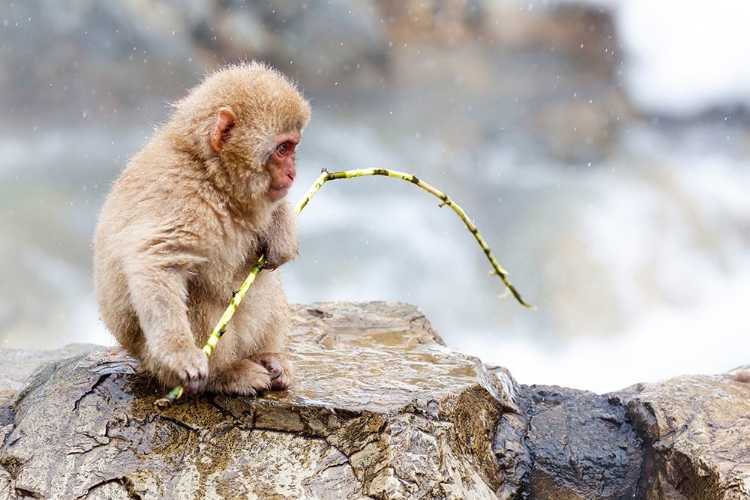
[225, 120]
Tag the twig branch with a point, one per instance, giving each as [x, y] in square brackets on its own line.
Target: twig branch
[325, 176]
[445, 200]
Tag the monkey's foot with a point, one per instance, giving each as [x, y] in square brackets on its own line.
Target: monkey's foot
[242, 378]
[189, 365]
[279, 369]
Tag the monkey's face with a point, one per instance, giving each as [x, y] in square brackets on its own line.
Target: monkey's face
[265, 161]
[280, 165]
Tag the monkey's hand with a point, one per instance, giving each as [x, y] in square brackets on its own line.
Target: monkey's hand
[186, 365]
[279, 242]
[190, 366]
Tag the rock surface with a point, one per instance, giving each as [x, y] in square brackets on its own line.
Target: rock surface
[697, 437]
[583, 446]
[16, 367]
[382, 409]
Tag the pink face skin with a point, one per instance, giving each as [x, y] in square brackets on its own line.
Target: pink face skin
[281, 165]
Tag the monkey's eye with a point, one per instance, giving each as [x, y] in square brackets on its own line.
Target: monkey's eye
[282, 149]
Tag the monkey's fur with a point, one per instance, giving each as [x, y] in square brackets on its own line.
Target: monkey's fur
[185, 222]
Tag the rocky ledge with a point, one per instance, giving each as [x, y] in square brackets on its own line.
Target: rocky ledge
[382, 409]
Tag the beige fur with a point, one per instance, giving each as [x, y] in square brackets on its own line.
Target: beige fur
[182, 227]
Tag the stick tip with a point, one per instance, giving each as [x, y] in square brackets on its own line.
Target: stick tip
[162, 404]
[521, 301]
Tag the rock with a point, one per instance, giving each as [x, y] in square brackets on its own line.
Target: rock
[695, 430]
[16, 365]
[382, 409]
[583, 446]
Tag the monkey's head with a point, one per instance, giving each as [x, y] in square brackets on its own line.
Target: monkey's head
[246, 121]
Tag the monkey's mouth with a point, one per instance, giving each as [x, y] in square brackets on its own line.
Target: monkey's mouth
[278, 192]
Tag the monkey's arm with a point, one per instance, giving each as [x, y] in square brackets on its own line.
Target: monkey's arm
[157, 278]
[279, 241]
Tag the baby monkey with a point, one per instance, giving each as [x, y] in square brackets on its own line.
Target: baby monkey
[186, 221]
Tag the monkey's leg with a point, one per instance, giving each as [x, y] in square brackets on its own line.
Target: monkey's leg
[244, 377]
[279, 369]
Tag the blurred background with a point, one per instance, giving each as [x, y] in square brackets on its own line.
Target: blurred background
[601, 148]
